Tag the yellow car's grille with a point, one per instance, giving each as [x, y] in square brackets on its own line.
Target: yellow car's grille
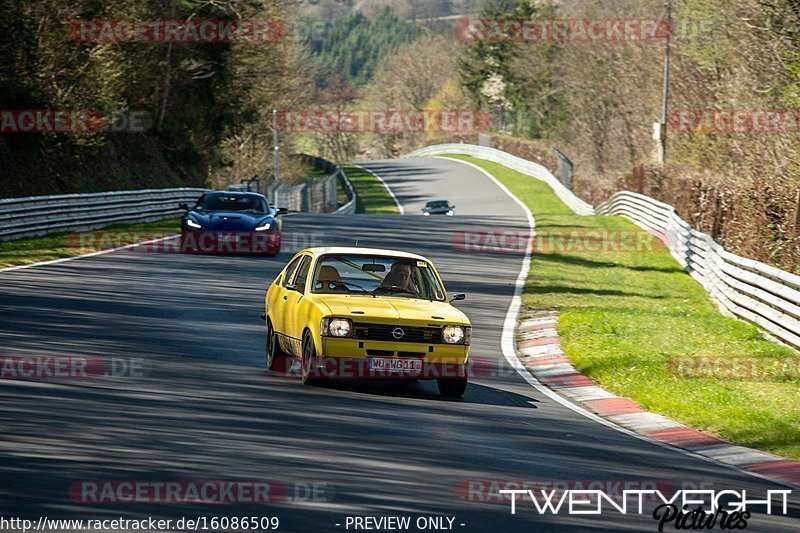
[384, 332]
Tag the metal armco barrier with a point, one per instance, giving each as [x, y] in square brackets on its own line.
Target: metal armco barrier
[745, 288]
[350, 207]
[41, 215]
[748, 289]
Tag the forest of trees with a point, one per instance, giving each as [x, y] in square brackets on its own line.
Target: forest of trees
[353, 46]
[205, 100]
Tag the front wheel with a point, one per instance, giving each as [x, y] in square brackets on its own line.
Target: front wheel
[310, 372]
[273, 348]
[452, 388]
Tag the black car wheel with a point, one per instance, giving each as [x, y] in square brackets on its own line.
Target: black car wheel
[273, 347]
[310, 374]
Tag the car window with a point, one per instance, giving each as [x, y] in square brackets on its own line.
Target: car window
[376, 275]
[290, 271]
[302, 274]
[229, 202]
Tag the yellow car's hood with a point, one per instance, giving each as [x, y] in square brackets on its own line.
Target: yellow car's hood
[391, 310]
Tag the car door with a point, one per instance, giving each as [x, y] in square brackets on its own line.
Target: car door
[296, 319]
[279, 297]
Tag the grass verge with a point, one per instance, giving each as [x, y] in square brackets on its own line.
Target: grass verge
[625, 313]
[373, 198]
[59, 245]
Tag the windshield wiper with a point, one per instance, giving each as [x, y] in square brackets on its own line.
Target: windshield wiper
[395, 289]
[359, 287]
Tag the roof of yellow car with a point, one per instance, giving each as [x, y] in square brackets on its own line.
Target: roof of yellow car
[358, 250]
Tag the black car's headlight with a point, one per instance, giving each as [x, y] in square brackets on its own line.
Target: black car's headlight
[193, 224]
[264, 226]
[457, 335]
[336, 327]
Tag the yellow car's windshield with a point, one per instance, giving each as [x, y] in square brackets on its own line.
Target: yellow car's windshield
[376, 276]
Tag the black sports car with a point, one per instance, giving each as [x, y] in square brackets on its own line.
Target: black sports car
[232, 222]
[438, 207]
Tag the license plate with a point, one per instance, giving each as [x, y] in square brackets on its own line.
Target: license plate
[229, 238]
[395, 365]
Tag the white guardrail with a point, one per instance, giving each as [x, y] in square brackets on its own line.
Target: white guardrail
[748, 289]
[40, 215]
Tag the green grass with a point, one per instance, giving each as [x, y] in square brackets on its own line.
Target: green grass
[59, 245]
[624, 314]
[314, 172]
[373, 198]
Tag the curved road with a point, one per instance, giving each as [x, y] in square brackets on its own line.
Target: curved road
[202, 407]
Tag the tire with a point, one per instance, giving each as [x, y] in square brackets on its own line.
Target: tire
[273, 347]
[309, 372]
[452, 388]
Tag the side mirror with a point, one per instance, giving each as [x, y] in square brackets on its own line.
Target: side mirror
[184, 206]
[458, 297]
[452, 207]
[282, 211]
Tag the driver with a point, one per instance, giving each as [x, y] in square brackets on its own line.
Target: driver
[399, 277]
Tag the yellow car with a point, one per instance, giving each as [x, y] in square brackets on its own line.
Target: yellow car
[367, 313]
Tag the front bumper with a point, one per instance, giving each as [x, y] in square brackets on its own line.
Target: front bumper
[343, 358]
[230, 242]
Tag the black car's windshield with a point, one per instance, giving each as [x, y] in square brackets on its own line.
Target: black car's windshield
[249, 203]
[377, 276]
[438, 204]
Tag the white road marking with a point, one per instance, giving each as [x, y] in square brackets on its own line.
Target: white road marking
[84, 256]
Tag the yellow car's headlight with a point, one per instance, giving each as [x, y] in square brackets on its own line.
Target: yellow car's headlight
[336, 327]
[457, 334]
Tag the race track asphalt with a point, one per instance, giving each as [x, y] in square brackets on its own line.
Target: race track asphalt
[204, 408]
